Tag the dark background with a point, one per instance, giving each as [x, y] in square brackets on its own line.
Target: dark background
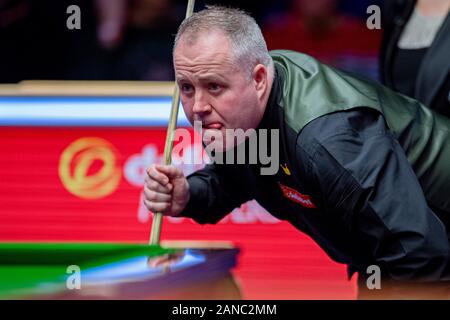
[36, 44]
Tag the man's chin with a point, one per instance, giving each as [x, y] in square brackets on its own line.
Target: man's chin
[218, 145]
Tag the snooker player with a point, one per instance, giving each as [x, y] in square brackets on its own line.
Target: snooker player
[363, 171]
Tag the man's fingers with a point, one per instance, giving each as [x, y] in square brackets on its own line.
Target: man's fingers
[156, 206]
[157, 187]
[157, 196]
[163, 185]
[157, 175]
[170, 171]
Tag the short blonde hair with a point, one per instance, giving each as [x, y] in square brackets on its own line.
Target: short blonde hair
[244, 33]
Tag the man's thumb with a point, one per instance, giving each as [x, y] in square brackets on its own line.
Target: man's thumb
[170, 171]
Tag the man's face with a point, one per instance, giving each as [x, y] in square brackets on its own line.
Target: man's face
[213, 88]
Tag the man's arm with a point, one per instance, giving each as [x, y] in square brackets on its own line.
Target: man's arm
[215, 191]
[362, 174]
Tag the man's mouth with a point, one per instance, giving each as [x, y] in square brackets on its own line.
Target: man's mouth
[214, 125]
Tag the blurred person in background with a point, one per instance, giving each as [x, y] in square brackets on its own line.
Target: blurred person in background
[319, 29]
[118, 40]
[415, 55]
[132, 41]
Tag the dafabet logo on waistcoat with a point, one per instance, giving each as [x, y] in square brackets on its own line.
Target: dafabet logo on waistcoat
[297, 197]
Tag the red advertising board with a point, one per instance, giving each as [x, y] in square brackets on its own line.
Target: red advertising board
[85, 184]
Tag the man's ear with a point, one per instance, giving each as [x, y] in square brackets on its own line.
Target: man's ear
[260, 79]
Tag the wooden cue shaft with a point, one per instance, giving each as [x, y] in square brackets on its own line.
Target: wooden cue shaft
[157, 217]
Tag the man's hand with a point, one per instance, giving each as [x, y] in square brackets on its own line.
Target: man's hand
[166, 190]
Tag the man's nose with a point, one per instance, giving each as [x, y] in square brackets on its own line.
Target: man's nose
[201, 106]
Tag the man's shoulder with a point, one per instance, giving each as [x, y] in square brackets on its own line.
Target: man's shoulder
[297, 60]
[290, 55]
[348, 127]
[311, 89]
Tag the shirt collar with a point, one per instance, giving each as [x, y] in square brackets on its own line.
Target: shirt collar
[274, 98]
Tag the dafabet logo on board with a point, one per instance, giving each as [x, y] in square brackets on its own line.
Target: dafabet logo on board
[89, 168]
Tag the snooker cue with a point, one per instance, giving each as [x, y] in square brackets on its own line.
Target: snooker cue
[158, 217]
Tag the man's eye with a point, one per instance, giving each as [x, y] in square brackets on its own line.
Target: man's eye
[186, 88]
[214, 87]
